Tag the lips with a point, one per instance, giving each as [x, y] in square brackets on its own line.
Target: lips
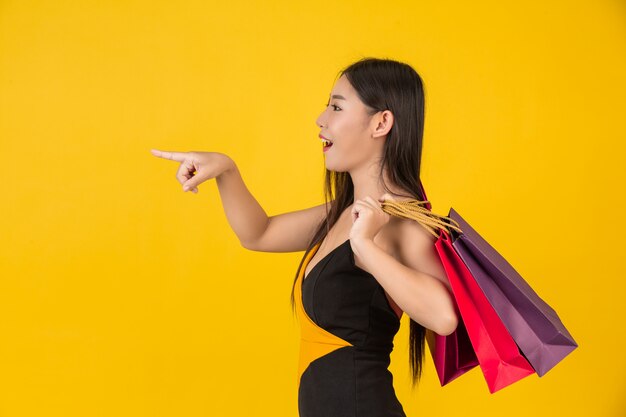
[325, 141]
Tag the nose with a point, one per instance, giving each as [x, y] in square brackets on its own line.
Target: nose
[320, 119]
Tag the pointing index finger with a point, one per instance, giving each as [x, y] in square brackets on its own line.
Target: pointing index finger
[174, 156]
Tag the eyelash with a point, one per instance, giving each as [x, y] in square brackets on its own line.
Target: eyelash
[334, 106]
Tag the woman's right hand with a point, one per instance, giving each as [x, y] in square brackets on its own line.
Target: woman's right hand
[196, 167]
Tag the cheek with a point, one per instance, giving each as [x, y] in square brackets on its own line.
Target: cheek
[349, 151]
[349, 140]
[354, 142]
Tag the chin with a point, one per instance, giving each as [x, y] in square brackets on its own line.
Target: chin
[333, 167]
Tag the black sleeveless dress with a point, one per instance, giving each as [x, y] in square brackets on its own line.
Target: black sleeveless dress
[347, 329]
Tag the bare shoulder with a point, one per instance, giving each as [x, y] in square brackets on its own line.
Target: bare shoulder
[414, 247]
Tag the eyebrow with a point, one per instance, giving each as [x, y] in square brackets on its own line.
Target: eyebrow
[337, 96]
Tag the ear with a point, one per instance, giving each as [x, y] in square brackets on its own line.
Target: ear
[383, 123]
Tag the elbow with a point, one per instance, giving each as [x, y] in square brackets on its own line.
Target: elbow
[448, 324]
[247, 245]
[448, 318]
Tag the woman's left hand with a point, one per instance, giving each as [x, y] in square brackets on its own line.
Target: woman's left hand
[368, 218]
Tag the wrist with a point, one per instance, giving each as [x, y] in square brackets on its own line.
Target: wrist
[228, 166]
[361, 245]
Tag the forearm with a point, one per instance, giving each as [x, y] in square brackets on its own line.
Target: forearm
[424, 298]
[243, 212]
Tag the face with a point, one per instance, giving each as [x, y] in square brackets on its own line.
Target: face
[357, 138]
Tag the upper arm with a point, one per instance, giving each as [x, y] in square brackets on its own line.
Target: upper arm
[289, 232]
[416, 249]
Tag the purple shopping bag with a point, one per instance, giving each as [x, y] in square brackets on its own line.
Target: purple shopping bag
[533, 324]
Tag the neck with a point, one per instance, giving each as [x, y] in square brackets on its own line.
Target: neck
[366, 183]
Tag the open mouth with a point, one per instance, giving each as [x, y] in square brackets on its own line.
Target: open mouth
[326, 144]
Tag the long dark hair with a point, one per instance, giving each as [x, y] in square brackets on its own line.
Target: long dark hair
[384, 84]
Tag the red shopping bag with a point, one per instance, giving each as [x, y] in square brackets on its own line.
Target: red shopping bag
[499, 357]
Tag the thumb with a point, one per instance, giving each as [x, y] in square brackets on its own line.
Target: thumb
[191, 185]
[386, 196]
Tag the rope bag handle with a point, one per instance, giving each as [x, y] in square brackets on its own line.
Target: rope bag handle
[420, 211]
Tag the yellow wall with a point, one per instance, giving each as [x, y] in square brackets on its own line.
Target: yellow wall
[121, 295]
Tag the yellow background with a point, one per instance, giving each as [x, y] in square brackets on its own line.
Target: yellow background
[121, 295]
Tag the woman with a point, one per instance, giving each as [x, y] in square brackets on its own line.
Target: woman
[362, 268]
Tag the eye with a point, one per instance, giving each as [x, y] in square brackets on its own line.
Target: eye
[333, 106]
